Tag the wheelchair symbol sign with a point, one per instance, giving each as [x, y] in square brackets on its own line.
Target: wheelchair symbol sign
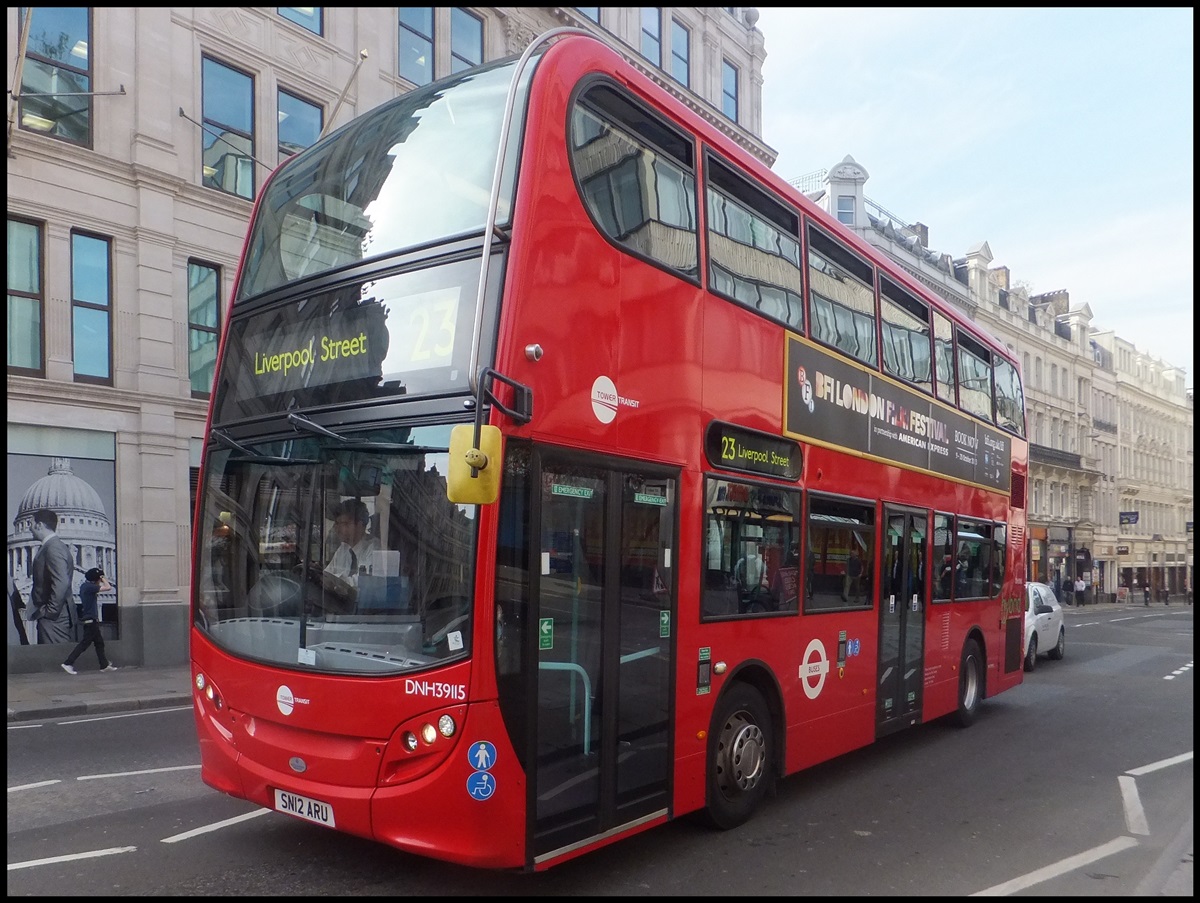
[481, 785]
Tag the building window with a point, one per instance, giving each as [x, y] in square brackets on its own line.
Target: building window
[57, 75]
[204, 312]
[25, 299]
[416, 44]
[300, 124]
[466, 40]
[305, 16]
[652, 34]
[681, 43]
[590, 12]
[845, 209]
[729, 90]
[91, 311]
[228, 129]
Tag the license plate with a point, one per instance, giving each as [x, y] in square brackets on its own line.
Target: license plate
[303, 807]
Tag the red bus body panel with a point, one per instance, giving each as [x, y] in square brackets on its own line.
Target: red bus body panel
[680, 358]
[345, 731]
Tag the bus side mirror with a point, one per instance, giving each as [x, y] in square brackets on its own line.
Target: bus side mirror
[474, 477]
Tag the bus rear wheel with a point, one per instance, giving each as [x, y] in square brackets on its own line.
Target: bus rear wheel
[970, 684]
[739, 757]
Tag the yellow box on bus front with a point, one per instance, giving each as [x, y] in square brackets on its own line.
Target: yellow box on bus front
[487, 460]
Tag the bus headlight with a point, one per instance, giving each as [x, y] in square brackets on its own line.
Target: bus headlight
[428, 734]
[446, 726]
[208, 690]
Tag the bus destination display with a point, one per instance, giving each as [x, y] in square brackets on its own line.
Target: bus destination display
[737, 448]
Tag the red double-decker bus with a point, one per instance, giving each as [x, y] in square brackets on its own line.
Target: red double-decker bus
[569, 472]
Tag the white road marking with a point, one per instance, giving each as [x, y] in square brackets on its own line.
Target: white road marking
[215, 826]
[126, 774]
[91, 854]
[182, 708]
[1058, 868]
[1160, 764]
[34, 786]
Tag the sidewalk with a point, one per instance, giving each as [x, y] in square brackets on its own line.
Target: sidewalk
[59, 694]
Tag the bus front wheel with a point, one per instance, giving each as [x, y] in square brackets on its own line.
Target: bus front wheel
[970, 684]
[739, 757]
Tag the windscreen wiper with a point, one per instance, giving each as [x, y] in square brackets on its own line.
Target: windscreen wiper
[299, 421]
[246, 454]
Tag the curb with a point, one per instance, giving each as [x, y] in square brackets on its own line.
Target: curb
[42, 711]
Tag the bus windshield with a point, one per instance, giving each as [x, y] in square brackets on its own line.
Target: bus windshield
[416, 170]
[336, 553]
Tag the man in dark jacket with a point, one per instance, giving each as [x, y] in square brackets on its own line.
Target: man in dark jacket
[50, 600]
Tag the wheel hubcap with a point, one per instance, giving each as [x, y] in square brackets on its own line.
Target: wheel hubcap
[970, 683]
[742, 754]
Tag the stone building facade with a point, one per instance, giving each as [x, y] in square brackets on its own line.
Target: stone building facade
[1110, 426]
[135, 152]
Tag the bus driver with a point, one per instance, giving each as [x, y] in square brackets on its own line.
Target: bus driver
[353, 554]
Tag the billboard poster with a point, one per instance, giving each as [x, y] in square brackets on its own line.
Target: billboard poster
[80, 493]
[831, 401]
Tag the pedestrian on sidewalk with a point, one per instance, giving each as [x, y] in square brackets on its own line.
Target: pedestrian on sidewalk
[1146, 595]
[94, 583]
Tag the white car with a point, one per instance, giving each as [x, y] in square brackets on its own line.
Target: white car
[1044, 629]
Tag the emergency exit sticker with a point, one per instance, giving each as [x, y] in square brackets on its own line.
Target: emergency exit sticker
[545, 633]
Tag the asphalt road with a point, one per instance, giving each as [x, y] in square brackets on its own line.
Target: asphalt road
[1078, 782]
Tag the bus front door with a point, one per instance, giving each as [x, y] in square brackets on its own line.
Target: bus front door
[903, 597]
[604, 622]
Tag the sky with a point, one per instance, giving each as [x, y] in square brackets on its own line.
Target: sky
[1062, 138]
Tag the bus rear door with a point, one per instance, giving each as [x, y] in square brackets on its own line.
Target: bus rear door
[903, 597]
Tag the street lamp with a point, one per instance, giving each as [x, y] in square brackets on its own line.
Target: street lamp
[1162, 581]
